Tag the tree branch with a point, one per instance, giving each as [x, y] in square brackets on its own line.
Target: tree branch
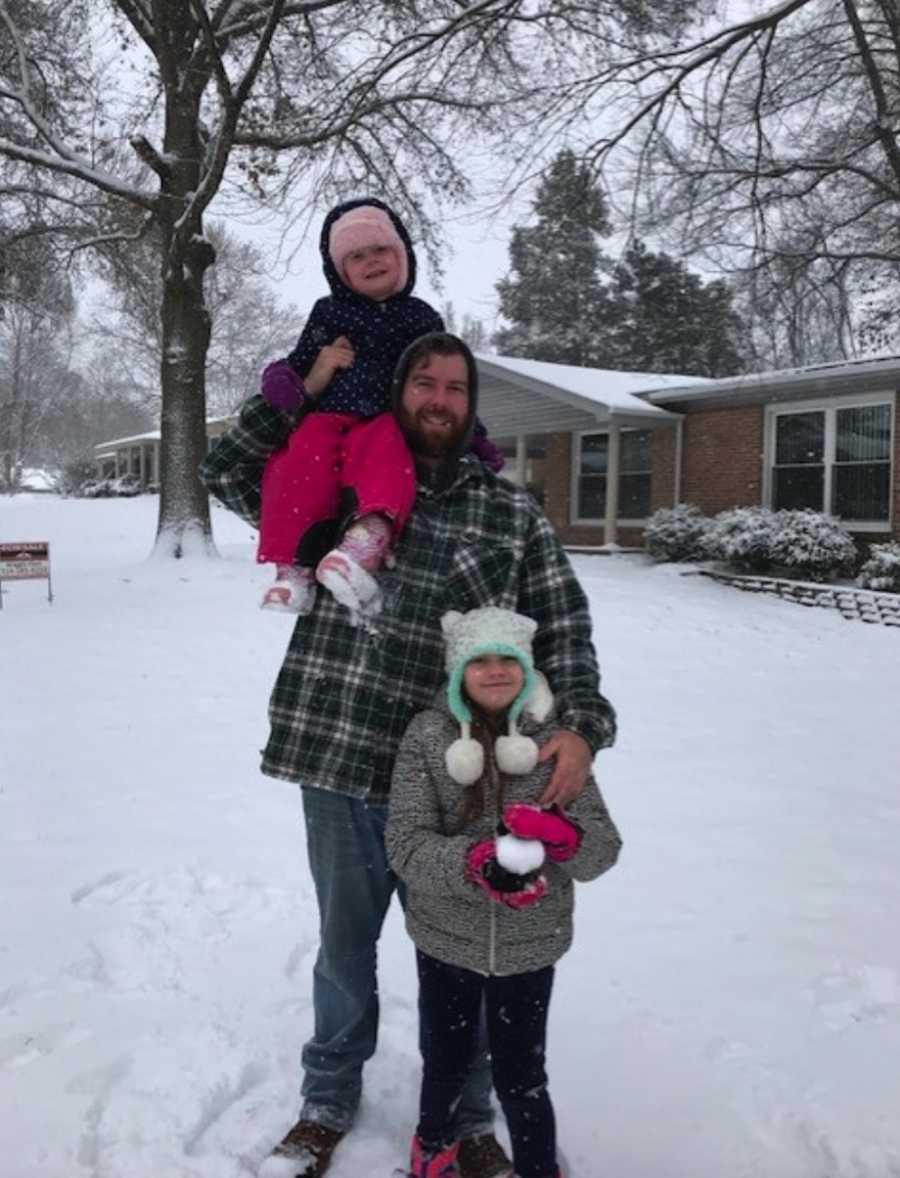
[148, 154]
[699, 55]
[80, 171]
[112, 238]
[224, 139]
[884, 118]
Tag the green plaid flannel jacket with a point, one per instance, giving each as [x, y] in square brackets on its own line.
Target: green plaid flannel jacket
[345, 694]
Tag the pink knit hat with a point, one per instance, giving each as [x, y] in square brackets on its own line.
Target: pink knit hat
[362, 226]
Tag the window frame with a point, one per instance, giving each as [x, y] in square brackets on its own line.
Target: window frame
[830, 406]
[598, 521]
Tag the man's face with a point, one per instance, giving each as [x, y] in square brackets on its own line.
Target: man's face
[434, 407]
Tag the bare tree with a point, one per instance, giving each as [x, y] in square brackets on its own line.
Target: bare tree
[249, 97]
[797, 314]
[248, 323]
[34, 342]
[768, 141]
[475, 333]
[95, 406]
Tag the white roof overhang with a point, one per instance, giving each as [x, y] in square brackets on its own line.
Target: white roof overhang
[520, 397]
[793, 384]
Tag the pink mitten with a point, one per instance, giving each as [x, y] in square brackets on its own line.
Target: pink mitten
[559, 834]
[506, 887]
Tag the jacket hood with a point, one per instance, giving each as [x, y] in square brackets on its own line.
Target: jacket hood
[442, 343]
[339, 287]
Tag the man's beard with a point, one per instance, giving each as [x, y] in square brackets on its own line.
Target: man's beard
[427, 443]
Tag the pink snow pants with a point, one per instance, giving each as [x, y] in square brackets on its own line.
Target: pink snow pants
[327, 456]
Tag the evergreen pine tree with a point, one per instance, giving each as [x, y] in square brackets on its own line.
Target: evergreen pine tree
[661, 317]
[653, 314]
[553, 296]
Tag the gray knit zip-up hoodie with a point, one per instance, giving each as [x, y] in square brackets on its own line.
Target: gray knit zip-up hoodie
[450, 918]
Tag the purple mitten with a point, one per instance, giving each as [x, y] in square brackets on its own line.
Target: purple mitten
[559, 834]
[484, 449]
[281, 386]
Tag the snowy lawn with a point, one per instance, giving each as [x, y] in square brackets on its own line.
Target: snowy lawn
[732, 1004]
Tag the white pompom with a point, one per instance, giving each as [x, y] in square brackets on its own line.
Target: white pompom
[450, 621]
[519, 855]
[465, 760]
[515, 754]
[540, 702]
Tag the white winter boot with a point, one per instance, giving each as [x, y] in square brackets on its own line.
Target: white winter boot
[292, 593]
[349, 584]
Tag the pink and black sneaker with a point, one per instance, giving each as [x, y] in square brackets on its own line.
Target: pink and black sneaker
[432, 1163]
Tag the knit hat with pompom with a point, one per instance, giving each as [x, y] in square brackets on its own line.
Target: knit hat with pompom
[491, 630]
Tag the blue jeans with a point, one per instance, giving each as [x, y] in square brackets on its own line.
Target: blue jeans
[354, 885]
[450, 998]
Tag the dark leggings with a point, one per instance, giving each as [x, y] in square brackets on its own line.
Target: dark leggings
[516, 1007]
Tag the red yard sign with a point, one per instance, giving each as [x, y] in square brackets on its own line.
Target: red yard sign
[25, 560]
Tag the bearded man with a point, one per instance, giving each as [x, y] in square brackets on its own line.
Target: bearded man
[346, 693]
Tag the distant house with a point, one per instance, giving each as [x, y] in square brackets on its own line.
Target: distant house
[603, 450]
[608, 455]
[139, 454]
[620, 445]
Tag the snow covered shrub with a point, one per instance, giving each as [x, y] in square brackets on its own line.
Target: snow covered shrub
[75, 474]
[882, 569]
[742, 537]
[676, 533]
[812, 545]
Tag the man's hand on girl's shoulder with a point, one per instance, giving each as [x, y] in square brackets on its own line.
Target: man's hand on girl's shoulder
[572, 769]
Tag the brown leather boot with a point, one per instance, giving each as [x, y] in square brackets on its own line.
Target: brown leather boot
[304, 1153]
[483, 1157]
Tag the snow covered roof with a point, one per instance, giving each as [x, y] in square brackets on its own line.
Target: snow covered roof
[520, 396]
[872, 374]
[36, 479]
[152, 435]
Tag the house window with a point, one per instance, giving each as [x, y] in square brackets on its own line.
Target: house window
[836, 460]
[634, 475]
[798, 477]
[592, 476]
[861, 486]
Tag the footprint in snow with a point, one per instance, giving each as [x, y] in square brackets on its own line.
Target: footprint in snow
[858, 994]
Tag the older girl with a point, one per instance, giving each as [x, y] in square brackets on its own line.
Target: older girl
[489, 877]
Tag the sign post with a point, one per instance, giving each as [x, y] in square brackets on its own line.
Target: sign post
[27, 560]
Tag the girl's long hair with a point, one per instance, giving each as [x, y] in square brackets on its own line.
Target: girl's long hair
[485, 729]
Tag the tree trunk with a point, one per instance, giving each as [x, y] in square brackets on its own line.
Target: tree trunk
[11, 443]
[184, 524]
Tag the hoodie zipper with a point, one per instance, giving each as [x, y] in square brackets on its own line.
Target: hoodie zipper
[492, 942]
[492, 904]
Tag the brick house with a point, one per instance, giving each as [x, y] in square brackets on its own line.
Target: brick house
[614, 447]
[603, 450]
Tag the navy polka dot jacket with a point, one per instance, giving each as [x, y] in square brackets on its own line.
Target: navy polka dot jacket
[378, 331]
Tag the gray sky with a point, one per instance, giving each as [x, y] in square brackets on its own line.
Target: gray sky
[476, 256]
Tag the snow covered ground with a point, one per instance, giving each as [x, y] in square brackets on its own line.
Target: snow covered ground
[731, 1007]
